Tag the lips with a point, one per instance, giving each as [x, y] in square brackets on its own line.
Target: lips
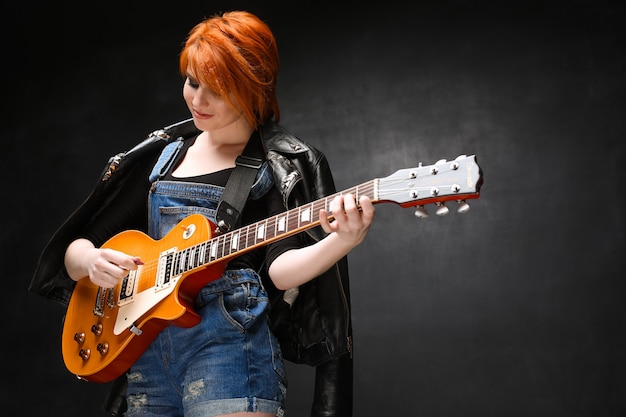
[200, 115]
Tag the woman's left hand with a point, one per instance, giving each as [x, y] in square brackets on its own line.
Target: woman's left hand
[351, 221]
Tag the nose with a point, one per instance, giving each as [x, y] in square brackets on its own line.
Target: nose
[202, 97]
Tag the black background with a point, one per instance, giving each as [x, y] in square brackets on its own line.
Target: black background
[515, 308]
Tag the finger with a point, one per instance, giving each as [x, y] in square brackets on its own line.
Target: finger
[323, 216]
[336, 206]
[121, 259]
[349, 203]
[111, 273]
[367, 209]
[103, 278]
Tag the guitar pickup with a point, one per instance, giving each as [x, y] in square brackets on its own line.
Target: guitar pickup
[166, 269]
[128, 287]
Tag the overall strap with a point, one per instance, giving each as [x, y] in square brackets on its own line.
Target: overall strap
[174, 135]
[233, 198]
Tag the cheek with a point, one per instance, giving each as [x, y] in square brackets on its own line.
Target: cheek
[226, 110]
[187, 95]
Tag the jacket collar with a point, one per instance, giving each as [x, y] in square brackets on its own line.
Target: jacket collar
[277, 138]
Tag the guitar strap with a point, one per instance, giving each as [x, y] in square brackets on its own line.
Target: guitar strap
[233, 198]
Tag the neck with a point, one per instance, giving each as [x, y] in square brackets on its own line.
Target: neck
[231, 139]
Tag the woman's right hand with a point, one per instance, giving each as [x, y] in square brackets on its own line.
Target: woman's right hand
[104, 267]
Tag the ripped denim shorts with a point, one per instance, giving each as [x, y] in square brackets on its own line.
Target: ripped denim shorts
[230, 362]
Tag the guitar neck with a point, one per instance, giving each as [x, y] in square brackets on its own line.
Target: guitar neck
[236, 242]
[458, 180]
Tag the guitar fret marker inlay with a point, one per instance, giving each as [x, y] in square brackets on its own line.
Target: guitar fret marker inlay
[235, 243]
[305, 215]
[260, 232]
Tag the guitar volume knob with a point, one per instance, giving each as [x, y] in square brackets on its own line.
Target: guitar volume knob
[103, 348]
[84, 354]
[97, 329]
[79, 337]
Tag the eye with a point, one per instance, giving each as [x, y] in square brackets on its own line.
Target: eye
[192, 83]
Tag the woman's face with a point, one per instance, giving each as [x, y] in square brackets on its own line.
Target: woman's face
[210, 112]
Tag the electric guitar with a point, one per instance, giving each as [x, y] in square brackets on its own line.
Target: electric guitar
[107, 329]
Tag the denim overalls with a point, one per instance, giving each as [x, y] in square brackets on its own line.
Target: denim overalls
[231, 361]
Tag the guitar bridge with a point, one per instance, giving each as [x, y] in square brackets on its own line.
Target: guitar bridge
[102, 298]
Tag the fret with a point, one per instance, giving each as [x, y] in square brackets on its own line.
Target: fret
[218, 245]
[293, 219]
[224, 242]
[246, 233]
[190, 257]
[181, 261]
[315, 209]
[191, 261]
[179, 258]
[196, 256]
[248, 237]
[187, 259]
[226, 245]
[249, 234]
[271, 227]
[175, 263]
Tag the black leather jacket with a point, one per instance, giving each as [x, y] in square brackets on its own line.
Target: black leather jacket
[315, 330]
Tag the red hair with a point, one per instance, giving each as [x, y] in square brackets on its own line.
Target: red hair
[235, 55]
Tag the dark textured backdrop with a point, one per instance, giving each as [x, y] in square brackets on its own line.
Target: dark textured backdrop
[515, 308]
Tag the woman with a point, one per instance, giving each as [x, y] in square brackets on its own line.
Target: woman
[230, 364]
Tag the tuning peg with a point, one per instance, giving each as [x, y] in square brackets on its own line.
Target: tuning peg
[463, 206]
[421, 212]
[442, 210]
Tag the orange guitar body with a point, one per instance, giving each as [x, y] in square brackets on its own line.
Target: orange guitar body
[92, 347]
